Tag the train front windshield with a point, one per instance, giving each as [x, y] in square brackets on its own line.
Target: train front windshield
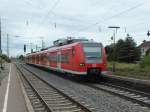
[92, 52]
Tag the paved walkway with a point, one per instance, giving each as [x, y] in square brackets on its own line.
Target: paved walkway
[3, 89]
[11, 96]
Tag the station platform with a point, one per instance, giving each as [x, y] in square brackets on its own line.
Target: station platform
[11, 95]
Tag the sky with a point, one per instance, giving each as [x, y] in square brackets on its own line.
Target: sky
[31, 21]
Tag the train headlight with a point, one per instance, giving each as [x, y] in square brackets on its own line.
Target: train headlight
[82, 64]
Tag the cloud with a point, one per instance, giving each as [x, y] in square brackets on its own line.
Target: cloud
[88, 18]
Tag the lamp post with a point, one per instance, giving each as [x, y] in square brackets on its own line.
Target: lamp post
[114, 48]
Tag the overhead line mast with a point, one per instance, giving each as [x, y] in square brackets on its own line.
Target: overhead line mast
[7, 45]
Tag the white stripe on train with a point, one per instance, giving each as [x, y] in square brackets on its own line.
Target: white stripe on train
[69, 71]
[61, 70]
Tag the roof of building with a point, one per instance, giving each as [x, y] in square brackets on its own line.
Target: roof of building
[145, 44]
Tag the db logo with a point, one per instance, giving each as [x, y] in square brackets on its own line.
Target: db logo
[93, 65]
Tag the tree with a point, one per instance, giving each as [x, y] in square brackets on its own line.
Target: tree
[5, 58]
[125, 50]
[148, 52]
[21, 57]
[132, 53]
[120, 49]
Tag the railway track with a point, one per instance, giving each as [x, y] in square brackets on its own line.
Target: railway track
[138, 97]
[46, 98]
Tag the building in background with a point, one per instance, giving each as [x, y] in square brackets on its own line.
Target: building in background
[145, 47]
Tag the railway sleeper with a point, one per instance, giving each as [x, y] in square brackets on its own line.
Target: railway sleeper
[54, 99]
[57, 101]
[60, 104]
[53, 96]
[40, 109]
[73, 107]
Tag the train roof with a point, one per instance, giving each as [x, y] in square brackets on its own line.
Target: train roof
[57, 45]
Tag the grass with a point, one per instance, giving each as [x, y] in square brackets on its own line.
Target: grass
[131, 70]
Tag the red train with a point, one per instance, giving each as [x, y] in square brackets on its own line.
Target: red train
[73, 56]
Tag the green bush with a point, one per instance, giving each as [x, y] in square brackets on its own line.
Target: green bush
[145, 62]
[5, 58]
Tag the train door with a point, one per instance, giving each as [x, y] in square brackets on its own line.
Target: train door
[47, 59]
[59, 60]
[73, 59]
[70, 59]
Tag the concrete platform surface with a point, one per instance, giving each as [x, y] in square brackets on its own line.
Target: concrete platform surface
[11, 96]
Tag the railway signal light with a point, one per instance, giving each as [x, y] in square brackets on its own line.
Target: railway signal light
[148, 33]
[112, 38]
[24, 48]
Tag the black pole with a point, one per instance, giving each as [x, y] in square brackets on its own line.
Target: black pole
[0, 38]
[114, 54]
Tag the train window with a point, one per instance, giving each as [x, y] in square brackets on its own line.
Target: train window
[92, 52]
[49, 58]
[93, 44]
[65, 58]
[52, 57]
[58, 58]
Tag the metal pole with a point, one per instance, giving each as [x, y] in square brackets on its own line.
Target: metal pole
[42, 44]
[114, 54]
[114, 49]
[36, 47]
[31, 47]
[0, 38]
[7, 45]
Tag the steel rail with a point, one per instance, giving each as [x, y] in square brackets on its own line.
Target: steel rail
[128, 94]
[35, 91]
[79, 105]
